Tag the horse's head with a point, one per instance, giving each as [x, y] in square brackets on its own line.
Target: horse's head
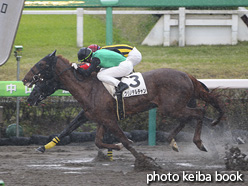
[43, 70]
[43, 89]
[44, 75]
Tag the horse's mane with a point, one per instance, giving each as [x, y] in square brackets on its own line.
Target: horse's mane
[93, 75]
[63, 59]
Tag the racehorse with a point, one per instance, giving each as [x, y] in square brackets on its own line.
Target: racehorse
[169, 90]
[43, 89]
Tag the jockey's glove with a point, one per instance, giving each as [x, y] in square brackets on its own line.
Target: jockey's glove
[74, 65]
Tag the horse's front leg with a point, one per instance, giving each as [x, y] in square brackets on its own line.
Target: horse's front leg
[116, 130]
[79, 120]
[142, 162]
[197, 137]
[99, 140]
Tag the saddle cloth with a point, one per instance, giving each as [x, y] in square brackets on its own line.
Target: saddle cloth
[136, 84]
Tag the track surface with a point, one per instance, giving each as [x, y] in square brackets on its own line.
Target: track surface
[73, 165]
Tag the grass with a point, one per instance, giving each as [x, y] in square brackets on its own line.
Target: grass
[41, 34]
[204, 62]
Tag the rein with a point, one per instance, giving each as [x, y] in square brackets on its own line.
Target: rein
[49, 72]
[64, 71]
[74, 72]
[68, 68]
[75, 75]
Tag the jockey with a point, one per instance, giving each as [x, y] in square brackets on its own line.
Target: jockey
[113, 65]
[84, 65]
[94, 47]
[131, 53]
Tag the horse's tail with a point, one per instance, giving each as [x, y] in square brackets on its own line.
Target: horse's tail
[202, 92]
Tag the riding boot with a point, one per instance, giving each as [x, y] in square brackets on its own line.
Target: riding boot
[121, 87]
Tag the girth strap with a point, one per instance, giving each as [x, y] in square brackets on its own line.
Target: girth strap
[120, 107]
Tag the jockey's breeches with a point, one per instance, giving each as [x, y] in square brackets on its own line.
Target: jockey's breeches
[109, 75]
[134, 56]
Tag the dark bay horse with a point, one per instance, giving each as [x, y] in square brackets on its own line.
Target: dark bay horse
[169, 90]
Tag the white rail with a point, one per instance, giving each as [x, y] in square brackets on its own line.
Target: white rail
[225, 83]
[80, 12]
[123, 12]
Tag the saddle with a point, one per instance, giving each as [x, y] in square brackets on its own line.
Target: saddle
[137, 87]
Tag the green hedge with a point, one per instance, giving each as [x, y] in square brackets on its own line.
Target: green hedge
[55, 113]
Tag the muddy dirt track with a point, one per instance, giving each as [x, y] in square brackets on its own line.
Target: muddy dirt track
[73, 165]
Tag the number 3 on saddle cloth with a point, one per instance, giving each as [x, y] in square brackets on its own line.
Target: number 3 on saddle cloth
[137, 87]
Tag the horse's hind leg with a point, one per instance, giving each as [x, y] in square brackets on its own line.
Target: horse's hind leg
[99, 140]
[173, 134]
[187, 113]
[197, 137]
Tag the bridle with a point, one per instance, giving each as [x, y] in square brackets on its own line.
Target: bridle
[44, 73]
[44, 89]
[46, 79]
[47, 73]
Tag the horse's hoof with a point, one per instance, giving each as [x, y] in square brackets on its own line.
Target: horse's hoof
[200, 145]
[202, 148]
[101, 157]
[215, 122]
[145, 163]
[173, 145]
[130, 141]
[40, 149]
[119, 145]
[175, 149]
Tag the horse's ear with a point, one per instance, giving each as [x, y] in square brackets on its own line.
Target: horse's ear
[53, 54]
